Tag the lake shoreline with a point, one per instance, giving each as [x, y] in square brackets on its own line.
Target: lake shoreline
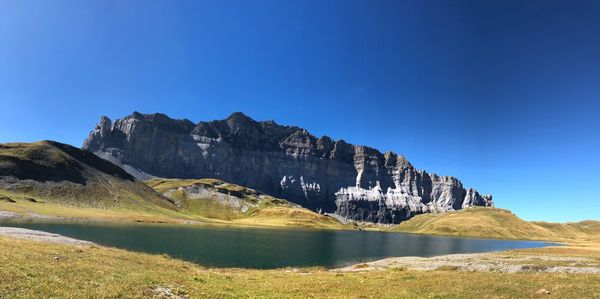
[35, 217]
[306, 249]
[495, 261]
[33, 269]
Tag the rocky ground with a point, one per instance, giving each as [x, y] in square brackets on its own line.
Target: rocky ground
[503, 262]
[36, 235]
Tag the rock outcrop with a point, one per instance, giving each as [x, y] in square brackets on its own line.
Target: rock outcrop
[325, 175]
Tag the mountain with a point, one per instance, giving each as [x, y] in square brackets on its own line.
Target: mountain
[353, 182]
[49, 171]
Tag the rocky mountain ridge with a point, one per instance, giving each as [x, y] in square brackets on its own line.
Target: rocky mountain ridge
[322, 174]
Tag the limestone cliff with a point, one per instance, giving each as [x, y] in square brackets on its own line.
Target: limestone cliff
[354, 182]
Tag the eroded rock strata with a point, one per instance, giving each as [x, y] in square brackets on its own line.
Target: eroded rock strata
[325, 175]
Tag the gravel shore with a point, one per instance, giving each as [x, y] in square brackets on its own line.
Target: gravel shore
[36, 235]
[9, 215]
[485, 262]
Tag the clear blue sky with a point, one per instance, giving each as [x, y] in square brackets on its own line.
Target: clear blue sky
[503, 94]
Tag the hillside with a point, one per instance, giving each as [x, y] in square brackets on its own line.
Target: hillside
[497, 223]
[47, 172]
[215, 199]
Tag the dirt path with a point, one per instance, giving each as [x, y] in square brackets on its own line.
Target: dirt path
[36, 235]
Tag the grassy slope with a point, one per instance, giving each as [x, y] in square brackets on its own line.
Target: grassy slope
[497, 223]
[26, 208]
[209, 205]
[265, 210]
[30, 270]
[52, 172]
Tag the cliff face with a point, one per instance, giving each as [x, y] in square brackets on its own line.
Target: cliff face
[355, 182]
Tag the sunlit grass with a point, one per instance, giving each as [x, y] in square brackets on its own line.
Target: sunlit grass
[498, 223]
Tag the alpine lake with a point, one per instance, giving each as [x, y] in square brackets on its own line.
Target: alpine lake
[263, 248]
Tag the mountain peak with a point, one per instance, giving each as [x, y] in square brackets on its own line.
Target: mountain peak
[240, 118]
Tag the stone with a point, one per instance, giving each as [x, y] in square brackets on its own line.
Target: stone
[542, 292]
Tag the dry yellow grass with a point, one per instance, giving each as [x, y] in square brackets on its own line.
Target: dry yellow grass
[291, 217]
[498, 223]
[162, 185]
[26, 208]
